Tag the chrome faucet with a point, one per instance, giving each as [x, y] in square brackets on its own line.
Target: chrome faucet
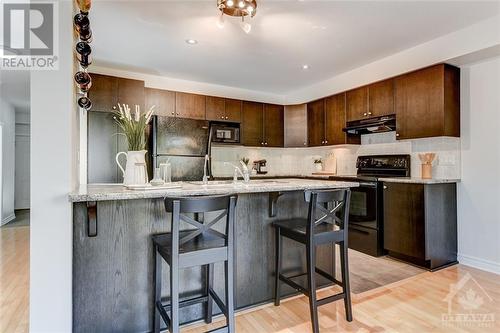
[243, 172]
[205, 177]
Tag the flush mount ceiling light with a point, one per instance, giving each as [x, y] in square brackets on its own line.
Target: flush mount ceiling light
[237, 8]
[305, 67]
[191, 41]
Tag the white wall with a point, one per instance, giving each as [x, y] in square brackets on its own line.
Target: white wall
[53, 158]
[479, 191]
[7, 117]
[22, 179]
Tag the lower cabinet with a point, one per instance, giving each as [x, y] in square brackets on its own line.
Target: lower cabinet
[420, 223]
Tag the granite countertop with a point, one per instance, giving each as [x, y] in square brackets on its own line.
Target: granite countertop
[106, 192]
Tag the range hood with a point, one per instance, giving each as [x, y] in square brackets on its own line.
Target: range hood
[372, 125]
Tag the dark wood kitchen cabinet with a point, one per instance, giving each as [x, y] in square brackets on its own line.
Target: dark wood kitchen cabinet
[374, 100]
[163, 100]
[381, 98]
[262, 124]
[420, 223]
[427, 103]
[357, 104]
[316, 123]
[274, 132]
[252, 131]
[223, 109]
[325, 120]
[189, 105]
[107, 91]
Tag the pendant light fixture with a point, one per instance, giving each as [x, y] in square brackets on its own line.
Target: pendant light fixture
[237, 8]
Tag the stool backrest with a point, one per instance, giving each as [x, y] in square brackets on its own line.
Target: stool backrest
[201, 204]
[332, 205]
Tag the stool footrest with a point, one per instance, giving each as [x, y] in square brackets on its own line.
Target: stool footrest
[293, 284]
[218, 301]
[187, 302]
[223, 329]
[330, 299]
[163, 314]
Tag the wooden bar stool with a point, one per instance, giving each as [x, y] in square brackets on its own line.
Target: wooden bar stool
[312, 232]
[201, 246]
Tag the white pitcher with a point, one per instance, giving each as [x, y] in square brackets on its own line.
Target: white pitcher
[135, 159]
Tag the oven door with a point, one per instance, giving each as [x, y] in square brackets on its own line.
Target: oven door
[363, 207]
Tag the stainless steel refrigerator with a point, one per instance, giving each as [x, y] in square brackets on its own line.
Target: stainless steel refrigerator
[182, 142]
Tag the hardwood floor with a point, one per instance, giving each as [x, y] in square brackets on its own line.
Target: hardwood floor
[14, 276]
[416, 304]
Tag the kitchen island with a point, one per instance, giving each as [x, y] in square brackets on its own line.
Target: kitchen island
[113, 252]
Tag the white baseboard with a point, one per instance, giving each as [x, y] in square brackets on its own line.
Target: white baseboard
[8, 218]
[485, 265]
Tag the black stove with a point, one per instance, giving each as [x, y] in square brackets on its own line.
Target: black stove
[366, 209]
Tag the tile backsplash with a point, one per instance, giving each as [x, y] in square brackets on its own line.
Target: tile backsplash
[299, 161]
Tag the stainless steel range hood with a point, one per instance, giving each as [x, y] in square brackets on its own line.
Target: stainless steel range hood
[372, 125]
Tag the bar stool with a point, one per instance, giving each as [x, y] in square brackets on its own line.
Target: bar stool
[312, 232]
[201, 246]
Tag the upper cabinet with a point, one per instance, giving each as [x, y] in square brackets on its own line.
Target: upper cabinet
[427, 103]
[262, 124]
[163, 100]
[316, 123]
[223, 109]
[381, 98]
[108, 91]
[274, 134]
[296, 125]
[374, 100]
[357, 104]
[252, 130]
[189, 105]
[325, 120]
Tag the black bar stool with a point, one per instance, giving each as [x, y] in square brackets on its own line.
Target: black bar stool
[312, 232]
[202, 246]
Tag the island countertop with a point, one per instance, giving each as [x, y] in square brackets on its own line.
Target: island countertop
[106, 192]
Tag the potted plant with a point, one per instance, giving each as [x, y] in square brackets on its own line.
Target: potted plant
[318, 164]
[133, 126]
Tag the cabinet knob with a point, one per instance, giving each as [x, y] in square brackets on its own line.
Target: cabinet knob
[364, 114]
[265, 143]
[385, 187]
[173, 113]
[114, 107]
[397, 134]
[326, 141]
[227, 117]
[177, 113]
[262, 143]
[305, 143]
[222, 117]
[369, 113]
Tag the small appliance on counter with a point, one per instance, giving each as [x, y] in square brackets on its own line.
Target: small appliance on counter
[260, 167]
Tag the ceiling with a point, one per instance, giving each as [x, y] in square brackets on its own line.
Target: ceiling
[331, 37]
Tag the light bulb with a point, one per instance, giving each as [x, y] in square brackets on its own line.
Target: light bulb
[247, 27]
[230, 3]
[220, 21]
[241, 4]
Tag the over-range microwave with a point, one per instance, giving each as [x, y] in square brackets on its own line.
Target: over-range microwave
[225, 132]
